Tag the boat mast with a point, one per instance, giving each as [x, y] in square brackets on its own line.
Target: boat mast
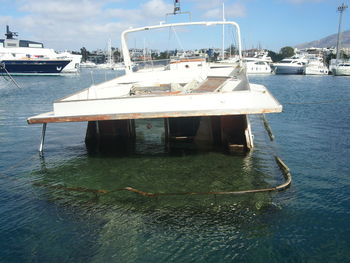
[110, 59]
[223, 31]
[341, 10]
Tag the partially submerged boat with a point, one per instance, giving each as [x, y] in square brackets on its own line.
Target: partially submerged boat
[198, 102]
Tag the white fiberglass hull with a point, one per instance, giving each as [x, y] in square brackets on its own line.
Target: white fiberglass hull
[288, 70]
[316, 71]
[254, 68]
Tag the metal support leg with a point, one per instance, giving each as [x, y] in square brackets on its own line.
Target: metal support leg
[43, 131]
[97, 129]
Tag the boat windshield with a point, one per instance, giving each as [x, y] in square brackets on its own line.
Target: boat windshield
[285, 61]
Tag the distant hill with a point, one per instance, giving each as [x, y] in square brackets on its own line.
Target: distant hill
[330, 41]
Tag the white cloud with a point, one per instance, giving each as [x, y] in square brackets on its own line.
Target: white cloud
[149, 12]
[213, 8]
[63, 24]
[231, 11]
[71, 24]
[156, 8]
[208, 4]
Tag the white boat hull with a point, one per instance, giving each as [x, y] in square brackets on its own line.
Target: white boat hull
[258, 68]
[341, 71]
[315, 71]
[288, 70]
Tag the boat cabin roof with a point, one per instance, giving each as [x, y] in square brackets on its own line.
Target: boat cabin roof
[20, 43]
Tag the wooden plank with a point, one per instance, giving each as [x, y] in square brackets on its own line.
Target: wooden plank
[50, 117]
[210, 84]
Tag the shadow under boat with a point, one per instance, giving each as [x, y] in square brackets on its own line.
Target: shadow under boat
[192, 133]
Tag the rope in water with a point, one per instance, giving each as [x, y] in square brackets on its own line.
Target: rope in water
[267, 127]
[284, 168]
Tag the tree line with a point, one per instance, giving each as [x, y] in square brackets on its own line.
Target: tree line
[284, 52]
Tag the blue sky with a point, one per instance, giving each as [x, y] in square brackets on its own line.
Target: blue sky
[71, 24]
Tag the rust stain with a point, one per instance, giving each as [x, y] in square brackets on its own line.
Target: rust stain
[151, 115]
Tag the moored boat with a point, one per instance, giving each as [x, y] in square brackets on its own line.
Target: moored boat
[342, 69]
[32, 66]
[315, 66]
[24, 57]
[293, 65]
[258, 67]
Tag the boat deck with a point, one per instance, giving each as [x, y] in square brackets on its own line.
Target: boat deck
[211, 84]
[257, 100]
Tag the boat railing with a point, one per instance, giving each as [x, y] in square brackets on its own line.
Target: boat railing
[125, 48]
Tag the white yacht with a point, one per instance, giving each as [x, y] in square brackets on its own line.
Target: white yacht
[259, 63]
[315, 66]
[293, 65]
[259, 56]
[197, 102]
[24, 57]
[342, 69]
[74, 65]
[253, 65]
[257, 67]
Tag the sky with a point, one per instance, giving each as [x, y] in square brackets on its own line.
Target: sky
[72, 24]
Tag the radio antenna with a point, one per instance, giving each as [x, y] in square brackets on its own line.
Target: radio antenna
[177, 10]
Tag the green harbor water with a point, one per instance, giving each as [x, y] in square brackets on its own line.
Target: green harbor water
[44, 218]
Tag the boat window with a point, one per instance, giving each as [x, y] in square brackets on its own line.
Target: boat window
[11, 44]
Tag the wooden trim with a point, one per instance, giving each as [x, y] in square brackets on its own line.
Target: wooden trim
[49, 117]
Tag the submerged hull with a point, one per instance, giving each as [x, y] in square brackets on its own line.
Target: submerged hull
[32, 67]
